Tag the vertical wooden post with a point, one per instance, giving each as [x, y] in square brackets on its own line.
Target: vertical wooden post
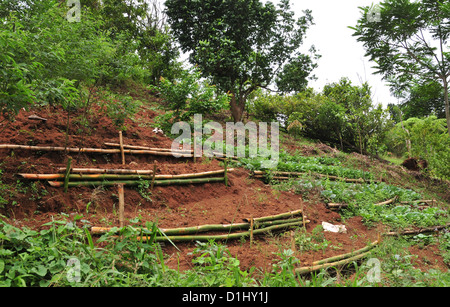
[66, 175]
[225, 172]
[121, 147]
[251, 230]
[154, 175]
[121, 205]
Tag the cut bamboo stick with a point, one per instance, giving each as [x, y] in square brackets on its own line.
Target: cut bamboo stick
[107, 171]
[417, 231]
[347, 255]
[314, 268]
[137, 182]
[276, 217]
[121, 147]
[229, 236]
[337, 206]
[121, 205]
[187, 152]
[288, 175]
[90, 150]
[131, 176]
[207, 228]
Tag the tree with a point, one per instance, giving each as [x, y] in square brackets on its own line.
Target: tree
[424, 100]
[409, 43]
[242, 45]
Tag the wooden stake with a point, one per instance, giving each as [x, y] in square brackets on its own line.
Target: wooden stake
[121, 147]
[66, 176]
[121, 205]
[226, 172]
[251, 231]
[154, 176]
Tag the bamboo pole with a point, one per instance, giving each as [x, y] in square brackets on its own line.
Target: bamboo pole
[150, 148]
[154, 176]
[217, 154]
[276, 217]
[229, 236]
[107, 171]
[131, 176]
[137, 182]
[67, 173]
[207, 228]
[89, 150]
[347, 255]
[121, 205]
[337, 206]
[418, 231]
[121, 147]
[278, 175]
[314, 268]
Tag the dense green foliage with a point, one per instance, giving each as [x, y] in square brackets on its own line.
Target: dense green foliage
[409, 44]
[243, 45]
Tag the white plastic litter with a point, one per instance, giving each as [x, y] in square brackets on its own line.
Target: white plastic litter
[334, 228]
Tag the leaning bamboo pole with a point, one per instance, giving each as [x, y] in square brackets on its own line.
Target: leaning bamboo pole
[137, 182]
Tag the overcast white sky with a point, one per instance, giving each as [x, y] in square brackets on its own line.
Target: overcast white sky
[342, 55]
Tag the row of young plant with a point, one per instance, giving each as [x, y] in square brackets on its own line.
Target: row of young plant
[65, 254]
[297, 163]
[362, 199]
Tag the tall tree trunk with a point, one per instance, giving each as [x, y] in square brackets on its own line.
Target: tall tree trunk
[447, 106]
[237, 107]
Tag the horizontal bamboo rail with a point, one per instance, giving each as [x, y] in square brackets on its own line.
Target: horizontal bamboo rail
[337, 206]
[91, 150]
[417, 231]
[106, 171]
[306, 270]
[137, 182]
[288, 175]
[178, 151]
[104, 176]
[337, 261]
[347, 255]
[230, 236]
[275, 217]
[204, 228]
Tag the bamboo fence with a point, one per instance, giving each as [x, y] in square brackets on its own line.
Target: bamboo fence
[106, 171]
[337, 206]
[253, 227]
[277, 175]
[337, 261]
[91, 150]
[417, 231]
[103, 175]
[138, 182]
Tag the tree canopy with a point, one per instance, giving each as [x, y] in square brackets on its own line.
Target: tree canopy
[243, 45]
[409, 43]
